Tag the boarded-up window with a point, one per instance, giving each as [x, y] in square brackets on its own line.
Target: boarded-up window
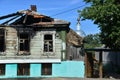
[2, 69]
[46, 69]
[23, 69]
[48, 43]
[2, 40]
[24, 43]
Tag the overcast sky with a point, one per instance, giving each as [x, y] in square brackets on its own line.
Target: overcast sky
[61, 9]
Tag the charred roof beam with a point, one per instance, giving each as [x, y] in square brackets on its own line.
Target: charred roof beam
[25, 19]
[10, 15]
[6, 22]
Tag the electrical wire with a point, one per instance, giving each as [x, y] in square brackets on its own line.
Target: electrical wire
[68, 10]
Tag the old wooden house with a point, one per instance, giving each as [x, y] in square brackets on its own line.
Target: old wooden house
[36, 45]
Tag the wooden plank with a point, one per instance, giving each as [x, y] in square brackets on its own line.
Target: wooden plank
[100, 65]
[89, 65]
[35, 44]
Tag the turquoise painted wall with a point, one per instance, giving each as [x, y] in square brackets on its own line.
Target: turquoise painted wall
[69, 69]
[63, 69]
[11, 70]
[35, 70]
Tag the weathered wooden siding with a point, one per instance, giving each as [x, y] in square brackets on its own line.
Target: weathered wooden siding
[58, 47]
[11, 41]
[73, 53]
[36, 45]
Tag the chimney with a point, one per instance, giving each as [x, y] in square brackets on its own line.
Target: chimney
[33, 8]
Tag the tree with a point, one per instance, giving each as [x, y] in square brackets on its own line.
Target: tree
[92, 41]
[106, 14]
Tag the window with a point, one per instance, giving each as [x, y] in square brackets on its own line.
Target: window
[48, 43]
[2, 69]
[2, 40]
[46, 69]
[24, 43]
[23, 69]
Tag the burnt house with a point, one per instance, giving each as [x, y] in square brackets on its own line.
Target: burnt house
[36, 45]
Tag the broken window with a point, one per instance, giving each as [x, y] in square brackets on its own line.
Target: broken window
[48, 43]
[2, 69]
[46, 69]
[23, 69]
[2, 40]
[24, 43]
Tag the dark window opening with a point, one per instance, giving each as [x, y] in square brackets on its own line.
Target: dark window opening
[23, 69]
[24, 43]
[2, 69]
[48, 43]
[2, 40]
[46, 69]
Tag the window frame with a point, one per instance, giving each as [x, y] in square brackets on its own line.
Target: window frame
[46, 69]
[50, 32]
[48, 43]
[21, 69]
[2, 69]
[22, 41]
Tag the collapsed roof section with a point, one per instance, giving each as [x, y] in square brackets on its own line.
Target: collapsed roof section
[31, 17]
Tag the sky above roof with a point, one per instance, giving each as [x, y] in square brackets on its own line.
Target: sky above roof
[60, 9]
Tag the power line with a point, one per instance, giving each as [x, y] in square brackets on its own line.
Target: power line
[68, 10]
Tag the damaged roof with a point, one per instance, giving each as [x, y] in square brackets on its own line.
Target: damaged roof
[73, 38]
[31, 17]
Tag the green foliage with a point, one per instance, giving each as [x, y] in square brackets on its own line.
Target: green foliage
[106, 14]
[92, 41]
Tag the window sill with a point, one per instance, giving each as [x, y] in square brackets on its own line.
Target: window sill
[48, 54]
[23, 53]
